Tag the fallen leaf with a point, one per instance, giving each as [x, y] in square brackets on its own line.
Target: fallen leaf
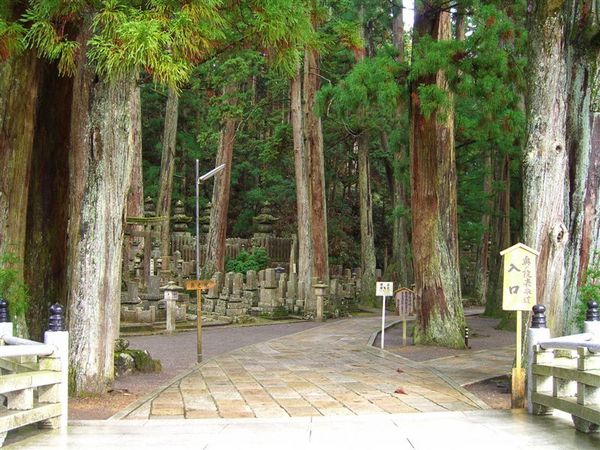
[399, 370]
[400, 391]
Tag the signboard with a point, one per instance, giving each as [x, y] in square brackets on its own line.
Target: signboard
[194, 285]
[384, 288]
[519, 287]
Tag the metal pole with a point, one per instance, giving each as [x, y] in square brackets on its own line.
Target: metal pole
[198, 291]
[383, 323]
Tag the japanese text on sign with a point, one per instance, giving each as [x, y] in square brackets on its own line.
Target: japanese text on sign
[384, 288]
[519, 287]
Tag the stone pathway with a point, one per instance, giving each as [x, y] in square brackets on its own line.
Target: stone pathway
[326, 371]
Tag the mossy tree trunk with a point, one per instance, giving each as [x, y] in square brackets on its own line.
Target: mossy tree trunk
[582, 35]
[440, 317]
[100, 162]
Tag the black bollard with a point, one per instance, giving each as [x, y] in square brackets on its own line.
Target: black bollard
[4, 316]
[56, 321]
[591, 314]
[467, 337]
[539, 317]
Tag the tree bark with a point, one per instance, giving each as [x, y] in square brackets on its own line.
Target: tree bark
[217, 234]
[367, 232]
[303, 200]
[313, 142]
[545, 163]
[18, 96]
[440, 317]
[167, 169]
[480, 285]
[47, 213]
[100, 162]
[401, 253]
[135, 197]
[500, 236]
[582, 55]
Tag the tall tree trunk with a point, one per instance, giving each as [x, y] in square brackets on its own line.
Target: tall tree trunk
[401, 253]
[582, 55]
[591, 222]
[18, 97]
[167, 169]
[217, 234]
[480, 285]
[440, 317]
[545, 163]
[500, 236]
[367, 232]
[100, 163]
[301, 166]
[313, 136]
[135, 197]
[47, 215]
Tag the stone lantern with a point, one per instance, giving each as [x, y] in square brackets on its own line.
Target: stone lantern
[320, 293]
[171, 295]
[180, 220]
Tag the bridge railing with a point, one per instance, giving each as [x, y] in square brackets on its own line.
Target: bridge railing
[33, 376]
[564, 372]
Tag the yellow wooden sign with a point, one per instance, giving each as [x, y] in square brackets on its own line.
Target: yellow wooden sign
[518, 292]
[195, 285]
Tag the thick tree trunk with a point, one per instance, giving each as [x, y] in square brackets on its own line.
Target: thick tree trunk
[301, 166]
[367, 232]
[440, 317]
[100, 162]
[47, 215]
[18, 96]
[545, 163]
[582, 57]
[313, 142]
[591, 222]
[215, 241]
[167, 169]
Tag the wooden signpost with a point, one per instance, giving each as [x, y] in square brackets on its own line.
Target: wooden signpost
[518, 294]
[199, 286]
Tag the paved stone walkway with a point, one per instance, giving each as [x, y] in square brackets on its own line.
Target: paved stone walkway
[471, 430]
[326, 371]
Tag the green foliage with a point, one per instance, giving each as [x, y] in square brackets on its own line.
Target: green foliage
[588, 291]
[255, 260]
[12, 287]
[10, 38]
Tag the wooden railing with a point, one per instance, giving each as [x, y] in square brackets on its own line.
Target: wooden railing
[564, 372]
[34, 376]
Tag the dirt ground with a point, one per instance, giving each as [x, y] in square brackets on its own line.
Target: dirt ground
[494, 392]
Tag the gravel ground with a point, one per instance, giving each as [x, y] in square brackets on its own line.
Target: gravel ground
[177, 353]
